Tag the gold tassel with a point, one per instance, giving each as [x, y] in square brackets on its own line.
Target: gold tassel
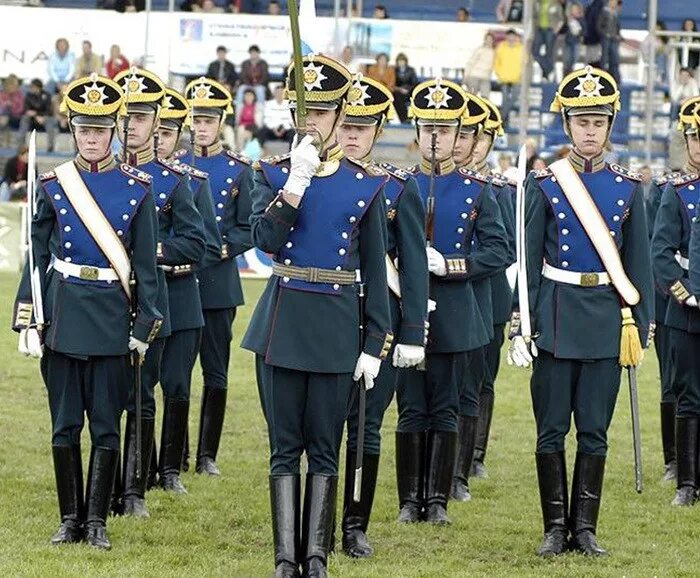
[631, 352]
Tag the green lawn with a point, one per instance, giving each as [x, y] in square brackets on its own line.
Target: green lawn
[222, 527]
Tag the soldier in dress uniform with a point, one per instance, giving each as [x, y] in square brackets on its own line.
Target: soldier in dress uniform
[180, 242]
[322, 216]
[501, 292]
[428, 400]
[94, 251]
[369, 108]
[470, 151]
[669, 250]
[230, 180]
[585, 220]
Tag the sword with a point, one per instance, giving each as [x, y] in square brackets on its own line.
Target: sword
[357, 489]
[521, 248]
[34, 279]
[636, 430]
[299, 86]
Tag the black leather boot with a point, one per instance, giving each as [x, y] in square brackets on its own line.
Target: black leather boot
[116, 507]
[285, 493]
[483, 429]
[103, 467]
[211, 422]
[410, 475]
[172, 438]
[356, 514]
[585, 503]
[465, 455]
[68, 468]
[687, 460]
[153, 467]
[551, 475]
[442, 447]
[134, 497]
[668, 439]
[317, 522]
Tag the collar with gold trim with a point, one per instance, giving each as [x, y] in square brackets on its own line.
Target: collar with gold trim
[585, 165]
[210, 151]
[106, 164]
[140, 157]
[441, 168]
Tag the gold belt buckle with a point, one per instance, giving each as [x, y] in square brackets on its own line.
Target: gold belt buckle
[590, 279]
[89, 273]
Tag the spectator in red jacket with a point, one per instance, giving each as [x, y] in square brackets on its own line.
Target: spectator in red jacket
[117, 61]
[254, 75]
[11, 108]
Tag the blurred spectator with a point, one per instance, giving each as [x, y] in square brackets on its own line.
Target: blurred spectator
[88, 62]
[661, 59]
[383, 72]
[591, 37]
[117, 61]
[273, 8]
[248, 118]
[380, 12]
[223, 70]
[60, 117]
[61, 65]
[573, 35]
[689, 25]
[14, 185]
[549, 19]
[11, 108]
[347, 57]
[277, 120]
[505, 166]
[538, 163]
[38, 114]
[609, 31]
[509, 10]
[210, 7]
[480, 68]
[508, 66]
[254, 75]
[406, 79]
[530, 152]
[130, 5]
[685, 87]
[244, 6]
[463, 15]
[646, 174]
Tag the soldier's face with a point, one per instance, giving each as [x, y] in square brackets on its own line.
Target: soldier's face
[167, 142]
[589, 133]
[206, 130]
[693, 146]
[464, 148]
[93, 143]
[482, 148]
[320, 124]
[356, 141]
[444, 141]
[141, 127]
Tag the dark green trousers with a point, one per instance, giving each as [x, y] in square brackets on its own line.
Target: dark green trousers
[472, 381]
[662, 346]
[150, 376]
[684, 351]
[305, 412]
[96, 386]
[215, 350]
[179, 357]
[586, 389]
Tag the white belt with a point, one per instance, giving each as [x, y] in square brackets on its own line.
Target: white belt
[684, 262]
[85, 272]
[574, 277]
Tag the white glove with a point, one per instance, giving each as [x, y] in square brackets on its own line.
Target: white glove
[30, 343]
[408, 355]
[691, 301]
[436, 262]
[432, 305]
[367, 367]
[305, 160]
[140, 346]
[520, 353]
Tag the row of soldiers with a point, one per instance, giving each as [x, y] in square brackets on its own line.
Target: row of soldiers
[391, 278]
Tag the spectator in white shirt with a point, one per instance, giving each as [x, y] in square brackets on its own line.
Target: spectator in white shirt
[684, 88]
[277, 120]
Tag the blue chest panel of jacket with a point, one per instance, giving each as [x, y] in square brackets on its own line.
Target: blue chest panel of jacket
[325, 231]
[163, 184]
[611, 193]
[225, 171]
[688, 196]
[456, 197]
[116, 192]
[392, 194]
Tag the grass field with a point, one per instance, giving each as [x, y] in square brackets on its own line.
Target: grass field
[222, 527]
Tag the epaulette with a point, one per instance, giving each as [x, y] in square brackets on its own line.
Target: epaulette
[413, 171]
[369, 167]
[512, 182]
[474, 175]
[667, 178]
[195, 172]
[130, 171]
[395, 171]
[174, 167]
[47, 176]
[178, 154]
[625, 172]
[498, 181]
[238, 157]
[685, 179]
[274, 160]
[541, 173]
